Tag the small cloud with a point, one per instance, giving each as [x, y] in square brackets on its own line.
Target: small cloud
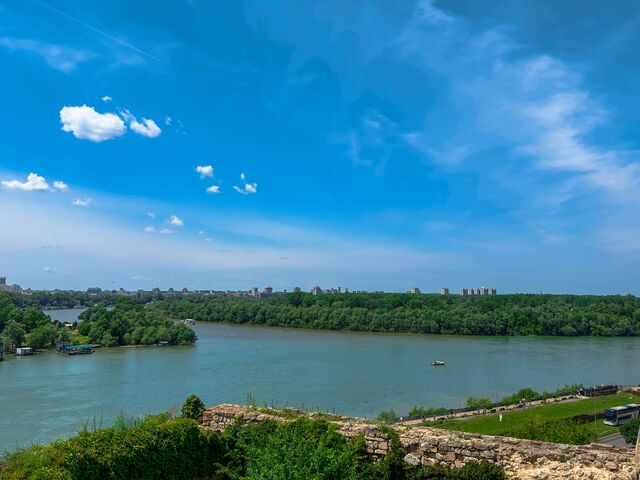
[106, 99]
[168, 120]
[34, 183]
[205, 171]
[151, 215]
[200, 232]
[207, 239]
[176, 221]
[87, 124]
[82, 202]
[213, 189]
[163, 231]
[58, 185]
[147, 128]
[249, 188]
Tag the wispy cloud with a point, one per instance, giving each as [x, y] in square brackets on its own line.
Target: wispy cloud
[248, 188]
[176, 221]
[82, 202]
[64, 59]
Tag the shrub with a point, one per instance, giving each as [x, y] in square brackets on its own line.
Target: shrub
[193, 408]
[629, 431]
[479, 402]
[388, 416]
[555, 431]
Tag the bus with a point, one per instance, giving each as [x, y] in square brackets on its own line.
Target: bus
[619, 415]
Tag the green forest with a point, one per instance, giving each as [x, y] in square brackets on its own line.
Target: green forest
[129, 323]
[522, 314]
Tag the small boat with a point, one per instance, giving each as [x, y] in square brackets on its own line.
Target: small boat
[438, 363]
[190, 322]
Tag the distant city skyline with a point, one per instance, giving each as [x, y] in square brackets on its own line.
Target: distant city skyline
[376, 145]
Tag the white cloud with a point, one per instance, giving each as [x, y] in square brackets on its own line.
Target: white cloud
[205, 171]
[213, 189]
[146, 128]
[167, 120]
[248, 188]
[34, 183]
[82, 202]
[61, 58]
[106, 98]
[200, 232]
[151, 215]
[162, 231]
[58, 185]
[175, 220]
[87, 124]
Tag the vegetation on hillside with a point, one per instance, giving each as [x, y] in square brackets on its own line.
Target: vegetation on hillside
[564, 315]
[555, 422]
[162, 447]
[131, 324]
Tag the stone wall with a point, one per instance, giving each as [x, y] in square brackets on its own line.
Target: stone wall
[521, 459]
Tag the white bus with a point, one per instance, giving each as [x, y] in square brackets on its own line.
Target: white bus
[619, 415]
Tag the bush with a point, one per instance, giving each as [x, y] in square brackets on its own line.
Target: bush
[157, 448]
[388, 416]
[629, 431]
[193, 408]
[555, 431]
[479, 402]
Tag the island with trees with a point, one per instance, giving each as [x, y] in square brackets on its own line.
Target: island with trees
[522, 314]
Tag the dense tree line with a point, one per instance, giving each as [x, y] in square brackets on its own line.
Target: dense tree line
[27, 326]
[523, 314]
[129, 323]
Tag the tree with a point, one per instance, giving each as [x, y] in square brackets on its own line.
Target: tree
[479, 402]
[42, 337]
[109, 340]
[14, 334]
[388, 416]
[629, 431]
[193, 408]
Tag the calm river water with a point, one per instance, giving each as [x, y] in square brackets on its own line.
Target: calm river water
[48, 396]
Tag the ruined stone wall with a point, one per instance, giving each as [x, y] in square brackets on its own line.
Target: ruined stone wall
[521, 459]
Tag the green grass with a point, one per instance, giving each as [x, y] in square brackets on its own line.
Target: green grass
[491, 425]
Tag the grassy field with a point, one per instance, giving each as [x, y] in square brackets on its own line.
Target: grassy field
[491, 425]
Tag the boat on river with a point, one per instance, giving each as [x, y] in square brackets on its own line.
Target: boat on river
[438, 363]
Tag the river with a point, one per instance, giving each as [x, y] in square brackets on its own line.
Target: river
[48, 396]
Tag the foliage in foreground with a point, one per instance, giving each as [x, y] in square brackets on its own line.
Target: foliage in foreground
[160, 447]
[193, 408]
[629, 431]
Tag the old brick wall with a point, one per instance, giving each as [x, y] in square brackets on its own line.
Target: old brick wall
[521, 459]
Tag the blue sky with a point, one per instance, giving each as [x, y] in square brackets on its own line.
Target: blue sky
[372, 145]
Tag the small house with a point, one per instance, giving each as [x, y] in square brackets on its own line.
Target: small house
[22, 351]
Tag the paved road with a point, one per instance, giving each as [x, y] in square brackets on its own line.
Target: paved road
[616, 440]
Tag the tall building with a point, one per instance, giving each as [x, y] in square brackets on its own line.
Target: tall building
[3, 282]
[296, 289]
[444, 291]
[414, 291]
[316, 290]
[268, 290]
